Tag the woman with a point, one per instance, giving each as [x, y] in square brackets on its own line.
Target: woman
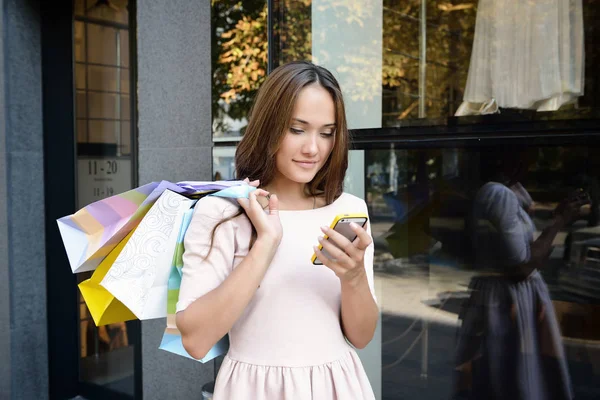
[250, 274]
[509, 344]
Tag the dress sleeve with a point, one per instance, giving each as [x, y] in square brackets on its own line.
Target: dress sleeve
[501, 209]
[200, 275]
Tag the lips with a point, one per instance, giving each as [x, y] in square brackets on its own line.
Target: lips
[306, 164]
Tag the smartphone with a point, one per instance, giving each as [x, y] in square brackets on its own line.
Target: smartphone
[341, 224]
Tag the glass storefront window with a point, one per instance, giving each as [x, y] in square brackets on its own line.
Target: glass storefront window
[110, 11]
[223, 163]
[104, 164]
[293, 44]
[423, 63]
[435, 285]
[239, 62]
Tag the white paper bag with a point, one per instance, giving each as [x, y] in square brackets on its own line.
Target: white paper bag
[140, 274]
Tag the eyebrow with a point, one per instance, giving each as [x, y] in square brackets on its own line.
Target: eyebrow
[306, 123]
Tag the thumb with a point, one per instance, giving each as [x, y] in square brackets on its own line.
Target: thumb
[273, 205]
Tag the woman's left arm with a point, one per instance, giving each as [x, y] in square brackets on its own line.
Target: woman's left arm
[359, 312]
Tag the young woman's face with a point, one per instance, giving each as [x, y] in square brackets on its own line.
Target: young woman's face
[309, 140]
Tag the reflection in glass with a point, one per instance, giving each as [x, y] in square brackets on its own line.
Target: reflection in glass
[293, 44]
[80, 105]
[454, 312]
[101, 131]
[525, 56]
[239, 61]
[102, 106]
[509, 344]
[101, 42]
[541, 55]
[223, 163]
[105, 351]
[112, 11]
[79, 41]
[103, 78]
[103, 118]
[80, 76]
[81, 129]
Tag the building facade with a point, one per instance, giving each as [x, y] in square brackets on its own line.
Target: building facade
[100, 96]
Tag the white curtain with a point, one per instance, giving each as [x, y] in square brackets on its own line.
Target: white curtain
[527, 54]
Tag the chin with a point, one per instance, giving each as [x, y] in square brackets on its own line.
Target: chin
[305, 177]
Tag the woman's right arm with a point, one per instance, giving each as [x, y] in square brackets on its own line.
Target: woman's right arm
[208, 318]
[567, 212]
[204, 322]
[540, 249]
[501, 208]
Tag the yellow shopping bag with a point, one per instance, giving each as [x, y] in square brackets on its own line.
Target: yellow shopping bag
[103, 306]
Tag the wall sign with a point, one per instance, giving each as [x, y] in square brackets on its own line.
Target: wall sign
[98, 178]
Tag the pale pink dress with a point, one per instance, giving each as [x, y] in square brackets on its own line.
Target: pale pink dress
[288, 343]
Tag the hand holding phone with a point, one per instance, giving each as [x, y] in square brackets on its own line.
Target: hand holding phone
[570, 208]
[580, 195]
[341, 224]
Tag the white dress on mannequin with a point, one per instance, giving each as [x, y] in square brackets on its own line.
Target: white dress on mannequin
[526, 55]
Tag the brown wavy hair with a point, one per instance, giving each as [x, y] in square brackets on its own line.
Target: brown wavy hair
[269, 121]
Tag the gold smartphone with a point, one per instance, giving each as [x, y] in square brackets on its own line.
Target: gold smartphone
[341, 224]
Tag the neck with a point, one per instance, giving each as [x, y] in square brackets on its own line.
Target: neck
[291, 195]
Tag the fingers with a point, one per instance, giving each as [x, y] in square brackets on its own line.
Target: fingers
[364, 240]
[578, 196]
[335, 253]
[251, 202]
[254, 183]
[329, 262]
[341, 241]
[578, 203]
[258, 192]
[273, 205]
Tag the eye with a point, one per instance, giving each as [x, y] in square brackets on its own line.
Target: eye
[327, 134]
[296, 131]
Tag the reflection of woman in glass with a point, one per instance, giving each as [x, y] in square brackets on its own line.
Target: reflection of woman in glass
[250, 274]
[509, 344]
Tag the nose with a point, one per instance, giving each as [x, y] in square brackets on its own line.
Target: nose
[310, 146]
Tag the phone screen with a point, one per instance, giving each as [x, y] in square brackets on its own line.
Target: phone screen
[343, 227]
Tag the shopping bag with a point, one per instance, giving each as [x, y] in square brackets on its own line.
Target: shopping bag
[157, 233]
[92, 233]
[171, 340]
[103, 306]
[139, 275]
